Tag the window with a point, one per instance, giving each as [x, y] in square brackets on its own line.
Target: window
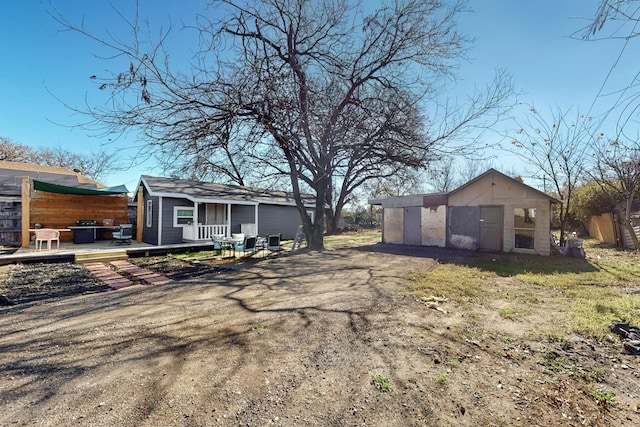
[149, 213]
[311, 215]
[182, 215]
[524, 226]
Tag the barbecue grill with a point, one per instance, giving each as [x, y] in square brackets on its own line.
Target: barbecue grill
[84, 235]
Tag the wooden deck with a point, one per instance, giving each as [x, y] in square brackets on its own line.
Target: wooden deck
[98, 251]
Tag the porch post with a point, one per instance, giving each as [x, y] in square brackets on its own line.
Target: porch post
[255, 216]
[228, 219]
[26, 212]
[195, 228]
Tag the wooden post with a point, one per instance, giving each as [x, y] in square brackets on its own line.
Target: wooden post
[26, 212]
[139, 215]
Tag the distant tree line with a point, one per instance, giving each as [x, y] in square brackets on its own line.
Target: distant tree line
[94, 165]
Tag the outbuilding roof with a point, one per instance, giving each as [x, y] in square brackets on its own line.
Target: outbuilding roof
[496, 172]
[435, 199]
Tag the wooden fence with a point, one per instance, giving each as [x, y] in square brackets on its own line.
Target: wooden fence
[53, 210]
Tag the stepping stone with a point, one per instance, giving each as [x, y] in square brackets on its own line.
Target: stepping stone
[136, 273]
[107, 275]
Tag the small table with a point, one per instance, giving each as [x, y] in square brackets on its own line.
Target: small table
[230, 243]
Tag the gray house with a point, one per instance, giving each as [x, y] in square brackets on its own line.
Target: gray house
[491, 212]
[177, 210]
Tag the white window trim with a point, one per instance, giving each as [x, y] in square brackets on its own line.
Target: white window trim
[534, 229]
[149, 213]
[175, 215]
[312, 215]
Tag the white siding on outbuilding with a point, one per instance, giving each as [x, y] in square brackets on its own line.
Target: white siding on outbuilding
[490, 212]
[496, 189]
[434, 226]
[393, 226]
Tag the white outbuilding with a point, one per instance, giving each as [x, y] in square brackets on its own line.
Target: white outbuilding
[492, 212]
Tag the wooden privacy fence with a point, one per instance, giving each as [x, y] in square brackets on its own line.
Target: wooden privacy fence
[602, 228]
[58, 211]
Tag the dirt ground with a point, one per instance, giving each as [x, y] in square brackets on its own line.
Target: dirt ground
[306, 339]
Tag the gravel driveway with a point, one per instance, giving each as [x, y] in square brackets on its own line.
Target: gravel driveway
[305, 339]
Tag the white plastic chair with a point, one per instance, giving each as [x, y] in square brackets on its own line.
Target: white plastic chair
[48, 235]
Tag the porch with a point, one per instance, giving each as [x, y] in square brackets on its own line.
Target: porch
[202, 221]
[203, 232]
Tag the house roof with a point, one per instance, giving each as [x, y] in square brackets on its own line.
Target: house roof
[11, 174]
[40, 172]
[206, 192]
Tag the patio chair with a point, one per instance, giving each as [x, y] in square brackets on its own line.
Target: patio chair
[273, 243]
[218, 243]
[48, 235]
[123, 235]
[249, 245]
[239, 245]
[261, 243]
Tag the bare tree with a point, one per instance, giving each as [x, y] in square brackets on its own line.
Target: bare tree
[326, 94]
[442, 175]
[93, 165]
[409, 182]
[471, 168]
[556, 147]
[618, 20]
[14, 152]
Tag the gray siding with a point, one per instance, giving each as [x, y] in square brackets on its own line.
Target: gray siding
[273, 219]
[170, 234]
[150, 234]
[242, 214]
[276, 219]
[202, 212]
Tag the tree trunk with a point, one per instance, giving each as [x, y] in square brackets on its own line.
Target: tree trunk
[563, 220]
[332, 223]
[315, 239]
[315, 230]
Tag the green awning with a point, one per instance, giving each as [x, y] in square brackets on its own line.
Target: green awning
[63, 189]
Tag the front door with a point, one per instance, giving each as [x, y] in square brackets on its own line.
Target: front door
[490, 228]
[412, 226]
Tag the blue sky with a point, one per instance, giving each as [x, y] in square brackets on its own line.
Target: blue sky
[530, 39]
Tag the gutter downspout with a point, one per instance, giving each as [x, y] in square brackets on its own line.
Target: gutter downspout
[256, 217]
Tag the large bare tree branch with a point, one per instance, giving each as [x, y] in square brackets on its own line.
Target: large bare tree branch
[324, 93]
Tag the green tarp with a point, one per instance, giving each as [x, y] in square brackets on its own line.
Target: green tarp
[63, 189]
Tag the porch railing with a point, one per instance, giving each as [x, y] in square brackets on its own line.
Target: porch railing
[203, 232]
[206, 232]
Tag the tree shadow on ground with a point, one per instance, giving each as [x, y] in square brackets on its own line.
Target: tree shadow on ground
[502, 264]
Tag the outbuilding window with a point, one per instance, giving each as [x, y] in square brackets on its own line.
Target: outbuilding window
[524, 226]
